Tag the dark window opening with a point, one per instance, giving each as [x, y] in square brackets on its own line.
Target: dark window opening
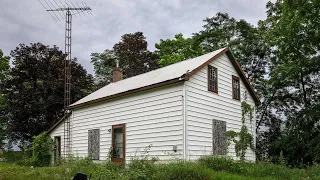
[212, 79]
[235, 88]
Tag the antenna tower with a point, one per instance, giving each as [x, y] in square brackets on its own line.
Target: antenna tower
[56, 10]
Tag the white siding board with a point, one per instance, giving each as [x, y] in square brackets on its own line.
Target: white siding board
[152, 117]
[204, 106]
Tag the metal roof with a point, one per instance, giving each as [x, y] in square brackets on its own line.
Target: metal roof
[170, 72]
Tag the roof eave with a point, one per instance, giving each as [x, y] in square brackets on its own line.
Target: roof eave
[244, 78]
[60, 121]
[184, 77]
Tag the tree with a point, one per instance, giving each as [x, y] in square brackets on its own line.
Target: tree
[177, 49]
[36, 89]
[293, 31]
[4, 71]
[133, 56]
[245, 41]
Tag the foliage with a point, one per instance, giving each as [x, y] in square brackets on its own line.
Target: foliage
[182, 170]
[243, 139]
[222, 164]
[208, 169]
[292, 30]
[245, 41]
[133, 56]
[177, 49]
[42, 148]
[262, 170]
[4, 71]
[36, 87]
[15, 156]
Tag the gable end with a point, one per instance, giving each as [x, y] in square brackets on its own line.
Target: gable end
[238, 68]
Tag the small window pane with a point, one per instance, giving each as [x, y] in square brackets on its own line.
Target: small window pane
[236, 88]
[212, 79]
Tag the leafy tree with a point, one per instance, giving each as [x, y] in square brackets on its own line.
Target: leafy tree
[293, 31]
[133, 56]
[177, 49]
[4, 71]
[245, 41]
[36, 89]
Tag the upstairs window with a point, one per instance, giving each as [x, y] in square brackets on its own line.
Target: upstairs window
[235, 88]
[212, 79]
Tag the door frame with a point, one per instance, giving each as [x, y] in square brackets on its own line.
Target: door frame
[119, 160]
[57, 150]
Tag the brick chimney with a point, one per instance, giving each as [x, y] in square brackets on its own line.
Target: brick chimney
[117, 73]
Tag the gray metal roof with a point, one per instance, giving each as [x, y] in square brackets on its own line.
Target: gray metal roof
[153, 77]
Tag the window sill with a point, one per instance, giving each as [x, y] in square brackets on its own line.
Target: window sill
[214, 92]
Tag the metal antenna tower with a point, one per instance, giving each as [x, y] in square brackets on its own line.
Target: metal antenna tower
[55, 12]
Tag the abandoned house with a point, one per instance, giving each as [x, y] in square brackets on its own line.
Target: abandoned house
[180, 111]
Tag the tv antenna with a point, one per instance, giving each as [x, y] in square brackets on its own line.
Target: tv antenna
[56, 10]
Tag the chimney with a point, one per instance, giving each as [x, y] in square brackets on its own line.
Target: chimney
[117, 73]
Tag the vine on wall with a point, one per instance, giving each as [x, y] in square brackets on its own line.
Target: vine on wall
[242, 139]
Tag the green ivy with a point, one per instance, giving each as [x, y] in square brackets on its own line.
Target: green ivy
[42, 148]
[244, 139]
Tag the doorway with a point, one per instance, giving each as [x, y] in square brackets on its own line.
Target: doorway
[118, 153]
[57, 150]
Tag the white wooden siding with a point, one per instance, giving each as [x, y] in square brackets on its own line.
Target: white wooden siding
[59, 131]
[204, 106]
[152, 117]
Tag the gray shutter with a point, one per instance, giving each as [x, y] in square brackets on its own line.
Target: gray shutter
[219, 137]
[94, 144]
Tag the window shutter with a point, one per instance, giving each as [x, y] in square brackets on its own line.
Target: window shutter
[219, 137]
[94, 144]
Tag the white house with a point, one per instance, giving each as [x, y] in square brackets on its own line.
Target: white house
[179, 110]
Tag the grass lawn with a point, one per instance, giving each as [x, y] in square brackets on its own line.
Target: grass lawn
[216, 169]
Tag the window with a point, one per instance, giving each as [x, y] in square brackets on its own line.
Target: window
[235, 88]
[212, 79]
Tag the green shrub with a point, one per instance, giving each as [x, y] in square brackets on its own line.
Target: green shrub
[273, 170]
[181, 171]
[222, 164]
[140, 168]
[15, 156]
[314, 172]
[42, 148]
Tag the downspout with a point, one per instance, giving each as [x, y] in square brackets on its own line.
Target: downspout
[184, 114]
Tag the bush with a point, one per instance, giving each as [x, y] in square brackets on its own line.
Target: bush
[181, 171]
[314, 171]
[273, 170]
[140, 168]
[42, 149]
[15, 156]
[222, 164]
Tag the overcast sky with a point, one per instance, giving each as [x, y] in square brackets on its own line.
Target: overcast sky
[26, 21]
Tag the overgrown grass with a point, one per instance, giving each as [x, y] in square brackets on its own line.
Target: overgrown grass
[206, 168]
[15, 156]
[261, 170]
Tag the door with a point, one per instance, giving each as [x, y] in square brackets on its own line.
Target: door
[118, 154]
[57, 150]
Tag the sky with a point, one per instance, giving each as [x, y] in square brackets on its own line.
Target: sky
[26, 21]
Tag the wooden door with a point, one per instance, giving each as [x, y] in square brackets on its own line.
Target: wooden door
[118, 153]
[57, 150]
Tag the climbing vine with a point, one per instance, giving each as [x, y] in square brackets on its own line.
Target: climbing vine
[242, 139]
